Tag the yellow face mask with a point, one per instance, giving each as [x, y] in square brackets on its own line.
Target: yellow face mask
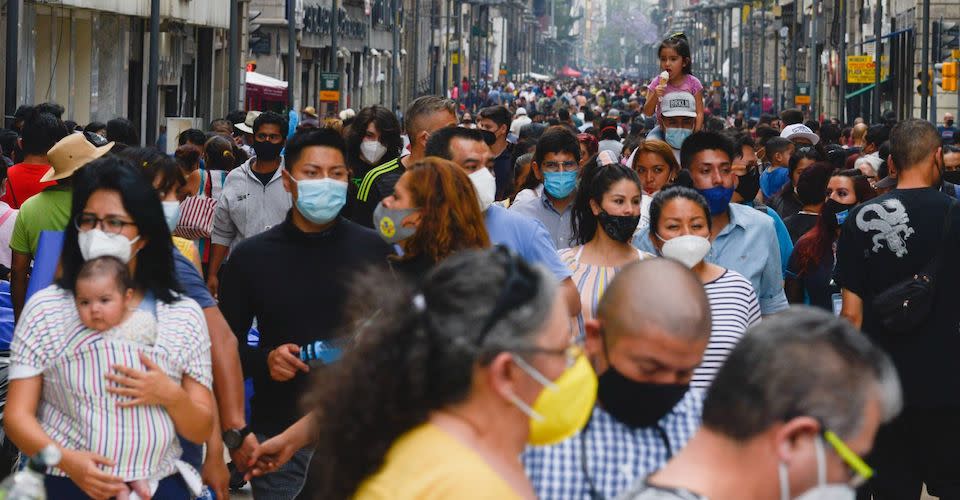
[564, 406]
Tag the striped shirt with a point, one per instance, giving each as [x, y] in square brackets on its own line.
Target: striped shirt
[591, 280]
[75, 409]
[612, 454]
[733, 309]
[370, 180]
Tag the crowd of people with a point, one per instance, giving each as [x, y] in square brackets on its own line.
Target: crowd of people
[583, 289]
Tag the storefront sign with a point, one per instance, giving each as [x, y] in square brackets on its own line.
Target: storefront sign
[861, 69]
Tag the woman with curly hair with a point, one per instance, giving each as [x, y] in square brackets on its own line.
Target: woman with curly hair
[435, 399]
[433, 213]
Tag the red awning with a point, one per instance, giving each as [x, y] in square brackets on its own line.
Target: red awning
[262, 89]
[569, 72]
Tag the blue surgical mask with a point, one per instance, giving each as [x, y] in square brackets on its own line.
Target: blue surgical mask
[718, 198]
[171, 212]
[842, 217]
[320, 200]
[676, 136]
[560, 184]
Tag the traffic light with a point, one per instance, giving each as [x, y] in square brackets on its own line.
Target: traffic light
[948, 76]
[948, 34]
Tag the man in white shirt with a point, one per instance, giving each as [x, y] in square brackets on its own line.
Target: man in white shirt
[519, 120]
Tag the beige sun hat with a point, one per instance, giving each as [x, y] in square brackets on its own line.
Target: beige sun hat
[71, 153]
[247, 125]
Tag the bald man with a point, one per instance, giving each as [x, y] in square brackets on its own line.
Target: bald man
[644, 345]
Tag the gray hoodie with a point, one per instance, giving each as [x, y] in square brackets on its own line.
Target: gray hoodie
[246, 207]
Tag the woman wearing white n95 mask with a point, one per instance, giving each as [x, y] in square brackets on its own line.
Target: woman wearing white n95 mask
[373, 139]
[680, 230]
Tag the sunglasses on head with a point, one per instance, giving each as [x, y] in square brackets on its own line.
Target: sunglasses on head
[519, 287]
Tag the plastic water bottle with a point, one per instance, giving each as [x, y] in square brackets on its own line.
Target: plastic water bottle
[27, 484]
[319, 353]
[207, 494]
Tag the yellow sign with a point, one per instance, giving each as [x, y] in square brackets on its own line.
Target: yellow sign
[330, 96]
[455, 58]
[744, 14]
[861, 69]
[716, 83]
[801, 99]
[783, 73]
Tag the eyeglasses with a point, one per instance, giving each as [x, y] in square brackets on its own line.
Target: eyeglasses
[275, 138]
[111, 225]
[571, 352]
[518, 289]
[860, 472]
[556, 166]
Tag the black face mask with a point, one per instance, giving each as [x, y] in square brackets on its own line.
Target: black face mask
[835, 212]
[266, 150]
[618, 227]
[748, 185]
[636, 404]
[952, 176]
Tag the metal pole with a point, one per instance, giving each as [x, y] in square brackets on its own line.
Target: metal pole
[234, 63]
[776, 71]
[815, 62]
[10, 76]
[877, 34]
[292, 53]
[750, 52]
[395, 78]
[935, 56]
[925, 83]
[794, 51]
[842, 98]
[740, 23]
[458, 68]
[150, 137]
[729, 56]
[334, 37]
[763, 50]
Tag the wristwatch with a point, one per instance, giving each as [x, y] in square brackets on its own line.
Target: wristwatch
[233, 438]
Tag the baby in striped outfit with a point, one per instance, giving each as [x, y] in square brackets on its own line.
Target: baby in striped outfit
[103, 294]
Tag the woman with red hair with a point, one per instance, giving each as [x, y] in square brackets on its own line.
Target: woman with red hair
[810, 270]
[588, 147]
[433, 213]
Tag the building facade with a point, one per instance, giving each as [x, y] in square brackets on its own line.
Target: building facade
[91, 57]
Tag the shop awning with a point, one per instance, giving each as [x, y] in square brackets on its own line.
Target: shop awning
[265, 81]
[261, 89]
[864, 90]
[569, 72]
[538, 76]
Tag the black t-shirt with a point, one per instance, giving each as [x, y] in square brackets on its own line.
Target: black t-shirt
[817, 282]
[885, 241]
[798, 224]
[296, 285]
[264, 178]
[785, 203]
